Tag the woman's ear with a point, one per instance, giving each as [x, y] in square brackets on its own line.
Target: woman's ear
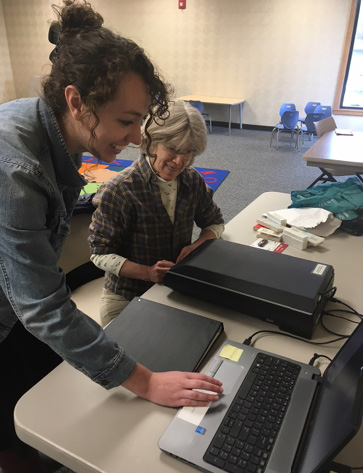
[152, 152]
[153, 148]
[74, 101]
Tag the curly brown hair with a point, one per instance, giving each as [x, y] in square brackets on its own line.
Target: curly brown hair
[95, 60]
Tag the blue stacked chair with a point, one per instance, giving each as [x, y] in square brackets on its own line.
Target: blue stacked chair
[199, 105]
[325, 109]
[288, 124]
[308, 128]
[309, 108]
[287, 107]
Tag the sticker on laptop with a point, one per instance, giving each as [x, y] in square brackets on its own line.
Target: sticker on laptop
[201, 430]
[193, 414]
[319, 269]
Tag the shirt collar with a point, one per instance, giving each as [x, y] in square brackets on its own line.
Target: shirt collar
[152, 170]
[66, 165]
[149, 174]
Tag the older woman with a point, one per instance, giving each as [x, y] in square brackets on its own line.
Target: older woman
[144, 217]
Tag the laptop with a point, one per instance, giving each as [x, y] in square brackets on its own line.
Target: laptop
[164, 338]
[300, 428]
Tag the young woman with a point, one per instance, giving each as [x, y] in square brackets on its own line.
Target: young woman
[100, 88]
[144, 217]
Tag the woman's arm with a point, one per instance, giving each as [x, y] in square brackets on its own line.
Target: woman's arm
[121, 266]
[173, 388]
[205, 234]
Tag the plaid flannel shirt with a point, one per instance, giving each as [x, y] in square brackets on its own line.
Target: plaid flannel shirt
[131, 220]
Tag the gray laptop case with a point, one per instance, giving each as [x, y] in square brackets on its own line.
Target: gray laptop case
[311, 433]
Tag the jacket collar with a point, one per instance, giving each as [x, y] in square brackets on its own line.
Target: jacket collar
[66, 165]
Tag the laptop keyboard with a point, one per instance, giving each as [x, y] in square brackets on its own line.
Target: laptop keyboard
[245, 438]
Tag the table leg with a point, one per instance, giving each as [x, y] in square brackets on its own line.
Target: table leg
[230, 118]
[240, 116]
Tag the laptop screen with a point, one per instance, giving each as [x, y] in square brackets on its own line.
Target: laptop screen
[338, 412]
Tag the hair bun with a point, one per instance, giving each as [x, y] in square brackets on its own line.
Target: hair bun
[74, 18]
[77, 17]
[54, 32]
[53, 37]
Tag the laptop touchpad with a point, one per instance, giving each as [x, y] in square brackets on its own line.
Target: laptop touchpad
[228, 373]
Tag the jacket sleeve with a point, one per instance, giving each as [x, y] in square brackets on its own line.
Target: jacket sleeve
[35, 287]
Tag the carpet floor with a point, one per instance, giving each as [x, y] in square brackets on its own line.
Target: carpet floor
[96, 172]
[254, 166]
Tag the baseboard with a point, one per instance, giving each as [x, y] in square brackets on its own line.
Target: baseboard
[246, 126]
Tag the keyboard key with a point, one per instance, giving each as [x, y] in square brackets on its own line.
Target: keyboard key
[214, 460]
[247, 433]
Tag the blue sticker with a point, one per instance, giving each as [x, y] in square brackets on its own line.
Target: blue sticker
[200, 430]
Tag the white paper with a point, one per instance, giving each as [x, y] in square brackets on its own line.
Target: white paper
[194, 415]
[318, 221]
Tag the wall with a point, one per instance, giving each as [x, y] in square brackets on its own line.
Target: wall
[7, 89]
[266, 51]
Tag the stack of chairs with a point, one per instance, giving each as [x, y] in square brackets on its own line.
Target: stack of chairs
[325, 109]
[310, 107]
[308, 127]
[288, 123]
[303, 126]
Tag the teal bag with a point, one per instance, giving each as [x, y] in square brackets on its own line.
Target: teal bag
[343, 199]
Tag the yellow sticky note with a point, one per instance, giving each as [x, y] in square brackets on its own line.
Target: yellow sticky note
[231, 353]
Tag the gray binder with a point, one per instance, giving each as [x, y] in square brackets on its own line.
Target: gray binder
[163, 338]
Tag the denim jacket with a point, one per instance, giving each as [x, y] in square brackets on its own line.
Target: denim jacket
[39, 186]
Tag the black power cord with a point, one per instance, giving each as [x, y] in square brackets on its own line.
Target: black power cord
[348, 310]
[330, 313]
[316, 356]
[351, 309]
[248, 340]
[333, 313]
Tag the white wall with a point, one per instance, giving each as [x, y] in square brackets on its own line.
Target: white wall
[267, 51]
[7, 88]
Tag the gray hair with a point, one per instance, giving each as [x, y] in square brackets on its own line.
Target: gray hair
[182, 130]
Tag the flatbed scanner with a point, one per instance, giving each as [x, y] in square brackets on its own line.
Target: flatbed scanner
[285, 290]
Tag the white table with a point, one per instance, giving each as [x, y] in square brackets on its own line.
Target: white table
[337, 155]
[89, 429]
[230, 101]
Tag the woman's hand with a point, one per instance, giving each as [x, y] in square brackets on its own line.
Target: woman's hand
[204, 235]
[173, 388]
[157, 272]
[186, 251]
[154, 273]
